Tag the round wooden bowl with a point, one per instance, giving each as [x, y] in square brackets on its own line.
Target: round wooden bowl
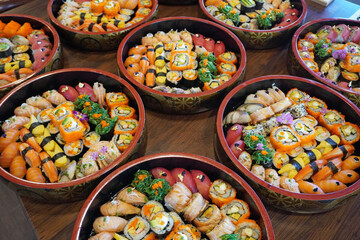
[100, 41]
[271, 195]
[297, 67]
[53, 62]
[264, 39]
[183, 103]
[77, 189]
[123, 176]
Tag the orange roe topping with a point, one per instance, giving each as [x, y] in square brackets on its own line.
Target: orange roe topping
[254, 138]
[263, 152]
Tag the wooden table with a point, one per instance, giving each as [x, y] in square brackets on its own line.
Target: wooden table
[194, 134]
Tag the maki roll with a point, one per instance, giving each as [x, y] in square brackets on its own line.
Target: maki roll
[349, 133]
[52, 128]
[173, 78]
[177, 219]
[248, 229]
[136, 228]
[126, 126]
[221, 192]
[91, 138]
[58, 115]
[297, 96]
[161, 223]
[21, 57]
[304, 44]
[5, 51]
[196, 206]
[236, 210]
[212, 84]
[122, 112]
[59, 139]
[74, 148]
[227, 68]
[247, 5]
[315, 107]
[227, 57]
[122, 141]
[224, 227]
[180, 61]
[43, 116]
[284, 139]
[116, 99]
[304, 129]
[150, 209]
[71, 129]
[310, 63]
[190, 77]
[259, 4]
[208, 219]
[330, 118]
[254, 130]
[178, 197]
[298, 110]
[321, 133]
[21, 49]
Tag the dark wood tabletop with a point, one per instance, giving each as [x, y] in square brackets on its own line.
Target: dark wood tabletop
[182, 133]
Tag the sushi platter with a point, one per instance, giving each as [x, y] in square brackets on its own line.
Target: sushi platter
[156, 137]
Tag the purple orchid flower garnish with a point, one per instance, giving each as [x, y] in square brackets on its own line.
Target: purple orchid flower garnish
[94, 155]
[259, 146]
[323, 110]
[285, 118]
[81, 116]
[339, 54]
[103, 149]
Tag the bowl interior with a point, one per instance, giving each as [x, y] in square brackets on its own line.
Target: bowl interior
[313, 27]
[71, 77]
[298, 4]
[194, 26]
[123, 176]
[333, 99]
[36, 23]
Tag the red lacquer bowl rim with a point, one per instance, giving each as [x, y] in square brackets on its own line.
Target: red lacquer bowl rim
[290, 26]
[298, 58]
[57, 23]
[141, 109]
[313, 197]
[238, 73]
[148, 158]
[55, 46]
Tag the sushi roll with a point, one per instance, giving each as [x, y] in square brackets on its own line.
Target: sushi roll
[349, 133]
[173, 78]
[236, 210]
[52, 128]
[321, 133]
[227, 57]
[248, 229]
[150, 208]
[161, 223]
[59, 139]
[57, 115]
[91, 138]
[212, 10]
[196, 206]
[254, 130]
[311, 120]
[225, 226]
[331, 118]
[178, 197]
[122, 112]
[122, 141]
[214, 83]
[227, 68]
[259, 4]
[298, 110]
[21, 49]
[221, 192]
[126, 126]
[243, 19]
[74, 148]
[177, 219]
[269, 125]
[247, 5]
[190, 77]
[315, 107]
[116, 99]
[71, 129]
[284, 139]
[304, 129]
[21, 57]
[208, 219]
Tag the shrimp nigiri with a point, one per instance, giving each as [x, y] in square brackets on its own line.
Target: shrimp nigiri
[351, 163]
[30, 155]
[26, 136]
[331, 185]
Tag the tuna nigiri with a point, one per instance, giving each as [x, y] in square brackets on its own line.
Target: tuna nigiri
[160, 172]
[68, 92]
[202, 182]
[184, 176]
[85, 88]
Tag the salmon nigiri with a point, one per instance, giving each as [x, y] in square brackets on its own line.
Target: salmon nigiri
[26, 110]
[8, 137]
[9, 153]
[34, 174]
[54, 97]
[14, 122]
[18, 166]
[40, 102]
